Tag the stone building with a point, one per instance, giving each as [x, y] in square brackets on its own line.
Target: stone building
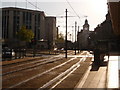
[82, 37]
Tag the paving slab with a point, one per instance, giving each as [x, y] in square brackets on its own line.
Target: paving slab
[105, 76]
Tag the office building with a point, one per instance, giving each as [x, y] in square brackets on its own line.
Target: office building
[14, 18]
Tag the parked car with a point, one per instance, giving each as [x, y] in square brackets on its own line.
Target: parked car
[62, 49]
[7, 52]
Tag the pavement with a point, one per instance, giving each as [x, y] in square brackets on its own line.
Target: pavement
[106, 76]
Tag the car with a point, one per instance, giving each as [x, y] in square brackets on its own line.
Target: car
[55, 49]
[7, 52]
[62, 49]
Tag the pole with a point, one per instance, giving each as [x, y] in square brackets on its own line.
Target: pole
[78, 40]
[78, 28]
[75, 36]
[72, 33]
[66, 37]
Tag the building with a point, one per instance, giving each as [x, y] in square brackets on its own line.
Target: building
[83, 36]
[14, 18]
[104, 32]
[51, 31]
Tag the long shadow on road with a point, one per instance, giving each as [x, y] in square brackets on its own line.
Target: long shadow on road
[96, 67]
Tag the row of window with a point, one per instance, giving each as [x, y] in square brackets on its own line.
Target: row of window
[5, 25]
[27, 21]
[6, 12]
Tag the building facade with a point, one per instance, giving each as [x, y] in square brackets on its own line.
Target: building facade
[104, 32]
[51, 31]
[83, 36]
[14, 18]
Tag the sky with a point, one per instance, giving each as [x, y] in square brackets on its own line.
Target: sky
[93, 10]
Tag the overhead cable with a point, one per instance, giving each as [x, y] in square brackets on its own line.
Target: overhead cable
[73, 9]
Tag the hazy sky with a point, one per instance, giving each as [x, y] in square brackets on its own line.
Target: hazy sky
[94, 9]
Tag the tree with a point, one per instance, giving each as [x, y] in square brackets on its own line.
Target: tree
[60, 38]
[25, 34]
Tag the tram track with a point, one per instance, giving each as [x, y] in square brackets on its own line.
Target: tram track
[47, 71]
[40, 74]
[62, 76]
[36, 63]
[22, 63]
[28, 65]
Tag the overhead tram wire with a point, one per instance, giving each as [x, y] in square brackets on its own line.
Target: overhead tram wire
[55, 16]
[36, 6]
[33, 4]
[64, 16]
[73, 9]
[45, 12]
